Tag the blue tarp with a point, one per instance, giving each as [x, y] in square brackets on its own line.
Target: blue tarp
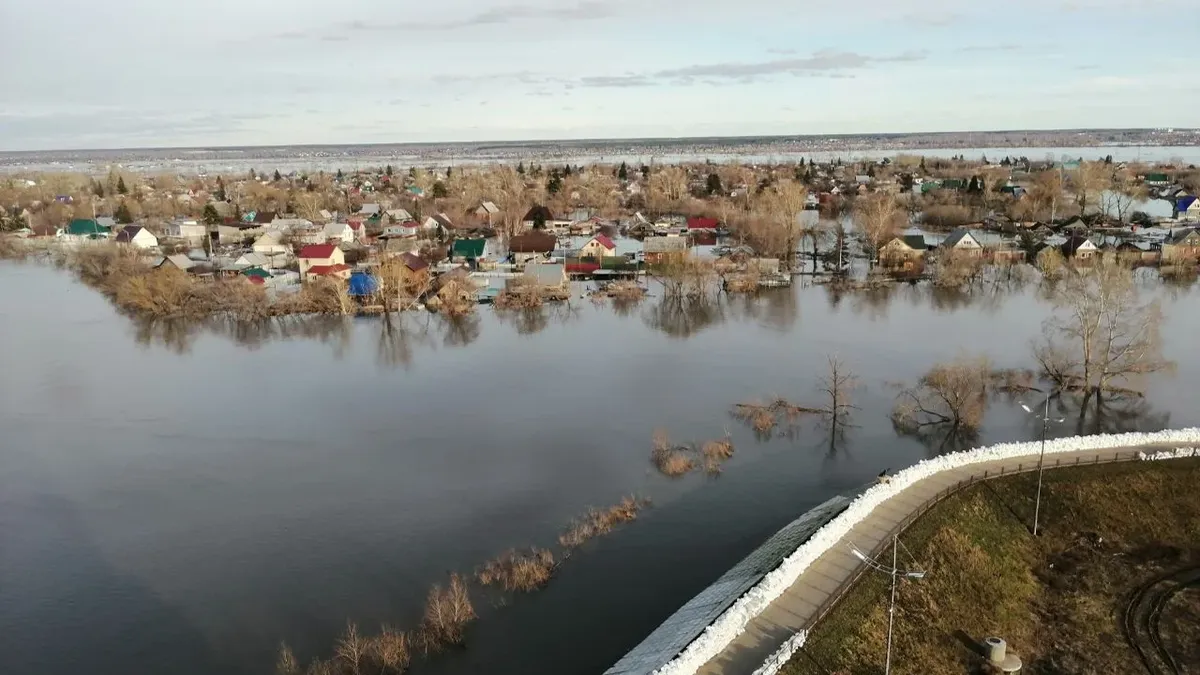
[363, 284]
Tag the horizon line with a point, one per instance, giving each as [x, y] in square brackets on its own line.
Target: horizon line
[602, 139]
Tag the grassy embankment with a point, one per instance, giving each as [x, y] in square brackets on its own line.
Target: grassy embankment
[1059, 600]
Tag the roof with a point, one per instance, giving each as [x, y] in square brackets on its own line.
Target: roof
[322, 270]
[533, 242]
[538, 212]
[489, 207]
[548, 274]
[256, 272]
[414, 262]
[318, 251]
[1178, 236]
[180, 260]
[127, 233]
[1075, 243]
[470, 248]
[1157, 177]
[86, 226]
[698, 223]
[369, 209]
[604, 241]
[1184, 203]
[665, 244]
[914, 241]
[263, 217]
[957, 236]
[362, 284]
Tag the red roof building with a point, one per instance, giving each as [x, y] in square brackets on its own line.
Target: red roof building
[339, 270]
[698, 223]
[318, 251]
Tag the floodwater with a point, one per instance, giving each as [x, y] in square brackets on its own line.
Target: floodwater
[237, 161]
[178, 500]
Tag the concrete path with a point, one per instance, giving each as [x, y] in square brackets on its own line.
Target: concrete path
[819, 585]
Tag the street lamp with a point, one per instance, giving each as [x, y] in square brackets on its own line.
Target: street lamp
[1045, 418]
[893, 572]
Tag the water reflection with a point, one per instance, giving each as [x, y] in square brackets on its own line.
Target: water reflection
[458, 331]
[681, 316]
[399, 336]
[1108, 414]
[774, 308]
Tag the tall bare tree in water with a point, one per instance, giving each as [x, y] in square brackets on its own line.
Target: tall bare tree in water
[878, 217]
[838, 385]
[1103, 338]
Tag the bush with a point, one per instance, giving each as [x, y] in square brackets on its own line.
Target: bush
[518, 571]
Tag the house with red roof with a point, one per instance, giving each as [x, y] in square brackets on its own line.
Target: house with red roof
[321, 259]
[599, 246]
[699, 223]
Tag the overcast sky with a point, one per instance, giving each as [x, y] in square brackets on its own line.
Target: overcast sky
[126, 73]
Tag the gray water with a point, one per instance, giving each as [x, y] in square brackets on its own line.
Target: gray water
[180, 499]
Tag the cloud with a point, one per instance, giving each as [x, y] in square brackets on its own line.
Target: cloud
[934, 19]
[588, 10]
[827, 63]
[977, 49]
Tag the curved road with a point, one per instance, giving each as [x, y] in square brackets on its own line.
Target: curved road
[1143, 613]
[814, 591]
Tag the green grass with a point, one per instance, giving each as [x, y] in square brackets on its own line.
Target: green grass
[1056, 599]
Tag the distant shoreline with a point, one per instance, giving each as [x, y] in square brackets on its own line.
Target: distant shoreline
[998, 139]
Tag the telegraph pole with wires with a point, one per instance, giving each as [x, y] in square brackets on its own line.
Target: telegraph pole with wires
[895, 573]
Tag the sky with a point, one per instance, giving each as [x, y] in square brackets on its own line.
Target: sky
[148, 73]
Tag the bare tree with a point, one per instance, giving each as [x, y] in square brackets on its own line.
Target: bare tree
[878, 218]
[947, 404]
[351, 650]
[1103, 338]
[1089, 181]
[838, 385]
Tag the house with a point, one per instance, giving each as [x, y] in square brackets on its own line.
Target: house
[962, 241]
[106, 221]
[270, 247]
[190, 231]
[907, 251]
[1080, 248]
[698, 223]
[137, 236]
[398, 215]
[85, 229]
[661, 249]
[531, 246]
[1182, 247]
[537, 217]
[487, 211]
[339, 233]
[414, 262]
[324, 256]
[547, 276]
[339, 271]
[438, 223]
[237, 231]
[369, 210]
[252, 259]
[178, 261]
[469, 249]
[404, 229]
[598, 246]
[1157, 179]
[1138, 252]
[1188, 208]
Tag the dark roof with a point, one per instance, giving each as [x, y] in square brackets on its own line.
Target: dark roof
[1179, 235]
[127, 233]
[915, 241]
[955, 237]
[85, 226]
[533, 242]
[263, 217]
[538, 212]
[414, 262]
[1184, 203]
[317, 251]
[442, 219]
[1073, 244]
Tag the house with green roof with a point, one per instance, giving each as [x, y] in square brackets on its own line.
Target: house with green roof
[469, 249]
[86, 228]
[1157, 179]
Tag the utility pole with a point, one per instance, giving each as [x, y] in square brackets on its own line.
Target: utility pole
[1045, 417]
[895, 573]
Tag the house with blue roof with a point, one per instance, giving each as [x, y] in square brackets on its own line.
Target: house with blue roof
[1188, 208]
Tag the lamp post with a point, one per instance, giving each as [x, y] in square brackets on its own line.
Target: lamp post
[1045, 417]
[894, 572]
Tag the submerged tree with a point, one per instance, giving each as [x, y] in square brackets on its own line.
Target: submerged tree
[945, 408]
[878, 217]
[1103, 337]
[838, 386]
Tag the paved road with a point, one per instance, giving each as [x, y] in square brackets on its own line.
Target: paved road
[800, 605]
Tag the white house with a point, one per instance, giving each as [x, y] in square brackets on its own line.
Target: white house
[271, 247]
[964, 241]
[320, 258]
[137, 236]
[252, 259]
[398, 215]
[598, 246]
[191, 231]
[369, 209]
[437, 223]
[403, 229]
[339, 233]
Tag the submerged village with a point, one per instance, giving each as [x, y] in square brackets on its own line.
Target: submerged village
[392, 238]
